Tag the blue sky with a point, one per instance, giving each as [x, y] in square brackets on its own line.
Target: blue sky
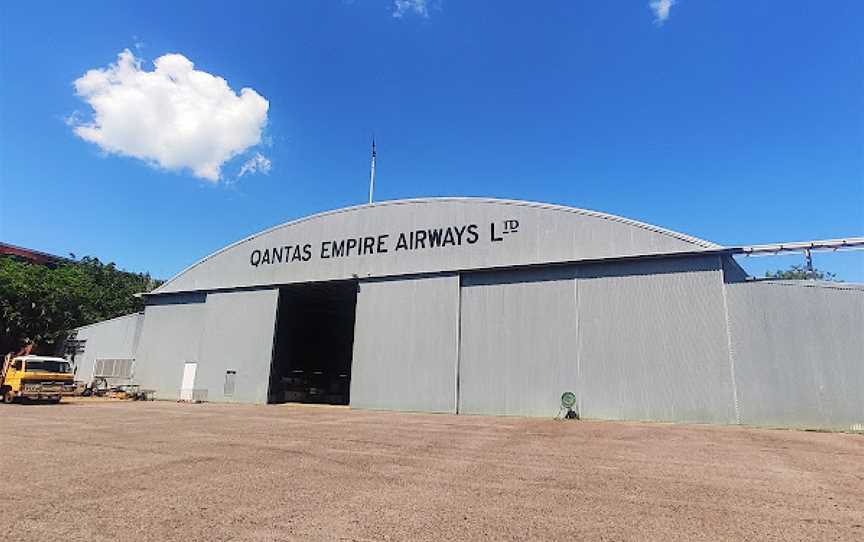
[738, 122]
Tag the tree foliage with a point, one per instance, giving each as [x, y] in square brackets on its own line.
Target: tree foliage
[799, 272]
[39, 304]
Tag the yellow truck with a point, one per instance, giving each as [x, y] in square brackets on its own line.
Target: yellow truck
[35, 377]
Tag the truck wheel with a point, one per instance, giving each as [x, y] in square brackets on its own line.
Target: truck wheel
[8, 397]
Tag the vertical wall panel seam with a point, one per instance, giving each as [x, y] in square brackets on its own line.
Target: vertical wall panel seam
[729, 344]
[458, 342]
[579, 381]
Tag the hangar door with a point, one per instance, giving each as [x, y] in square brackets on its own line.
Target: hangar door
[518, 342]
[406, 344]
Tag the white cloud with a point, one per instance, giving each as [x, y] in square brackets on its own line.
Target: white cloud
[661, 9]
[257, 164]
[417, 7]
[175, 116]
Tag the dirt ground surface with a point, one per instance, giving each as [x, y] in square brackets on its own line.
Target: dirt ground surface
[105, 471]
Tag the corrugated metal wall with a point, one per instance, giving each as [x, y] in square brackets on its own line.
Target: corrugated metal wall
[518, 342]
[237, 336]
[799, 353]
[116, 339]
[653, 342]
[171, 336]
[634, 340]
[406, 345]
[663, 339]
[220, 332]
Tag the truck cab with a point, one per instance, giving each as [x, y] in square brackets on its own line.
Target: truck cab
[36, 377]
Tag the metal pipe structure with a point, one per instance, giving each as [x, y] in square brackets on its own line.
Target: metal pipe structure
[826, 245]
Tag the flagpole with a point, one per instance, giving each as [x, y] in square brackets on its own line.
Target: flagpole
[372, 172]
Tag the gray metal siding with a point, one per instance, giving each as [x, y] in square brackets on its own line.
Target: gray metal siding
[518, 342]
[238, 336]
[546, 233]
[219, 332]
[406, 345]
[653, 342]
[116, 338]
[799, 354]
[171, 336]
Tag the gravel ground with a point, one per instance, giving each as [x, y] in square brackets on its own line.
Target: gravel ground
[105, 471]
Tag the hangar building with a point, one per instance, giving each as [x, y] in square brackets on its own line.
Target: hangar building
[483, 306]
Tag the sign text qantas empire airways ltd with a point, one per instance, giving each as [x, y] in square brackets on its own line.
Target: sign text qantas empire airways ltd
[421, 239]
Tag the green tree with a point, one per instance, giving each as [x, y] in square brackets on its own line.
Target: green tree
[799, 272]
[41, 304]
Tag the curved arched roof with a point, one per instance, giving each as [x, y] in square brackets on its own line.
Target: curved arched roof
[426, 236]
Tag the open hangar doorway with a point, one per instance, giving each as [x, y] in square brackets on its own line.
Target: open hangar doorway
[313, 343]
